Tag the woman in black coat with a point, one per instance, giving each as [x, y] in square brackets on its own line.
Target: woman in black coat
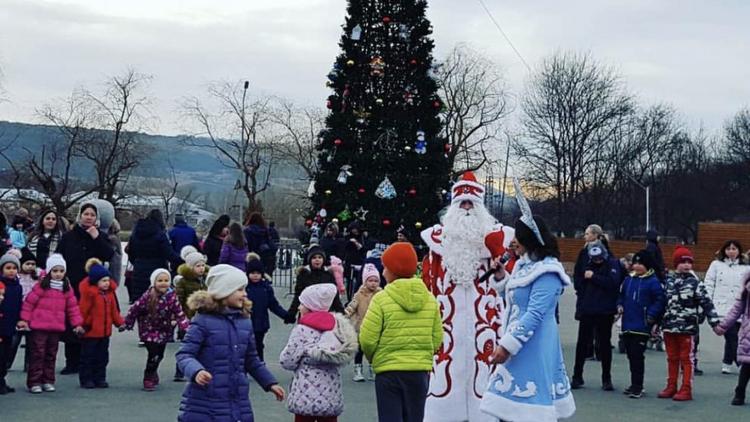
[215, 239]
[148, 249]
[81, 243]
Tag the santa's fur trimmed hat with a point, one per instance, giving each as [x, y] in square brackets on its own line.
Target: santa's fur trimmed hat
[467, 189]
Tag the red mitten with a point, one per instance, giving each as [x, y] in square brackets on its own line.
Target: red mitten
[494, 242]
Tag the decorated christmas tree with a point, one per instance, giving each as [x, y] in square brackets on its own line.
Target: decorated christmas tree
[381, 158]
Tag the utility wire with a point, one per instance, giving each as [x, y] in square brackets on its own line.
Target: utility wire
[497, 25]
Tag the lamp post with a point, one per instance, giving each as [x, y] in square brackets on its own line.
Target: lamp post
[242, 140]
[648, 200]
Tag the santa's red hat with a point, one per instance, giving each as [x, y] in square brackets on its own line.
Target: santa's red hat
[467, 189]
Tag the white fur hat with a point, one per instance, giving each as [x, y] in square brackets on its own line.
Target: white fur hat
[223, 280]
[318, 297]
[191, 256]
[55, 260]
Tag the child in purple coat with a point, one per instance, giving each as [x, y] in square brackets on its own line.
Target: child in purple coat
[218, 353]
[158, 311]
[234, 250]
[741, 309]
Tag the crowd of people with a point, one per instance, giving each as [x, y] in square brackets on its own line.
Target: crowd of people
[455, 338]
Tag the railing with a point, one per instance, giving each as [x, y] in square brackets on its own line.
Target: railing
[288, 260]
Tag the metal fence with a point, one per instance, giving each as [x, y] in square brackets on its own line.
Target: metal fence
[288, 259]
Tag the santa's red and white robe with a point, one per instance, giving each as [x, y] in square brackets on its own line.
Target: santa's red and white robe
[471, 329]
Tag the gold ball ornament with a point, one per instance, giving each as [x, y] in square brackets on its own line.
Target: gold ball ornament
[350, 62]
[418, 224]
[328, 192]
[379, 101]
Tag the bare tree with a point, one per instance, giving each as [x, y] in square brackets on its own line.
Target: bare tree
[51, 169]
[299, 129]
[114, 146]
[476, 101]
[571, 108]
[737, 133]
[239, 132]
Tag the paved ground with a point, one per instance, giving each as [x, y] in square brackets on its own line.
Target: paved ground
[124, 401]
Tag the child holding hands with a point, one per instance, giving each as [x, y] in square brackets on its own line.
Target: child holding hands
[158, 311]
[741, 309]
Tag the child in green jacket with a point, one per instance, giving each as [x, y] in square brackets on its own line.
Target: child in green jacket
[399, 335]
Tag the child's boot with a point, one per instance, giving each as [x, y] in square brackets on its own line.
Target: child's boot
[148, 382]
[673, 371]
[370, 373]
[686, 391]
[358, 373]
[739, 397]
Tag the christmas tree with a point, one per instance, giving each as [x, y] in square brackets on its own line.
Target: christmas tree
[381, 158]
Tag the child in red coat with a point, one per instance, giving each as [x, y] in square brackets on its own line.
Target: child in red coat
[100, 311]
[45, 310]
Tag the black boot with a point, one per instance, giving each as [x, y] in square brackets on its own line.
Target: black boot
[576, 383]
[739, 397]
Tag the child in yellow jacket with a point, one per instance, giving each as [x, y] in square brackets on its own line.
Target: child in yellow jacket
[399, 335]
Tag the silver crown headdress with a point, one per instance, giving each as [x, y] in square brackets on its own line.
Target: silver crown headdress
[527, 217]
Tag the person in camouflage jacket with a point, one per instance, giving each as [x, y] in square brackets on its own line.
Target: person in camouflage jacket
[685, 294]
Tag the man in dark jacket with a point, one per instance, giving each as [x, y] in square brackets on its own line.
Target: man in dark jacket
[596, 305]
[182, 234]
[652, 246]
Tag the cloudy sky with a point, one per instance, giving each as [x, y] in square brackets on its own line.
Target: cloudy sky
[692, 54]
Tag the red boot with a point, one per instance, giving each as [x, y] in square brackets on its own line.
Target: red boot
[673, 370]
[685, 394]
[686, 391]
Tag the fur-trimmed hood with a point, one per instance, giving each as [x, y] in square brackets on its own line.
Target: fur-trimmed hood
[341, 353]
[187, 273]
[202, 302]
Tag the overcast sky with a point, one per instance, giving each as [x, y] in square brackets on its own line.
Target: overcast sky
[692, 54]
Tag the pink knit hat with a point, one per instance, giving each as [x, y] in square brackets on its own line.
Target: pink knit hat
[368, 271]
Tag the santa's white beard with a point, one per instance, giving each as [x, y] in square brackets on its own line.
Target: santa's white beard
[463, 241]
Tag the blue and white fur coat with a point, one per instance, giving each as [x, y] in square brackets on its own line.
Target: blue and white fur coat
[532, 385]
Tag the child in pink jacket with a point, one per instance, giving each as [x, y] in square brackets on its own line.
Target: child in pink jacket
[45, 310]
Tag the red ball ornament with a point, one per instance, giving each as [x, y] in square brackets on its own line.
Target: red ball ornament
[338, 142]
[361, 191]
[436, 104]
[329, 104]
[308, 222]
[386, 222]
[413, 62]
[386, 19]
[447, 147]
[413, 192]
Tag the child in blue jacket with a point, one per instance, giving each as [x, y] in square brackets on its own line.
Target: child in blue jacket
[218, 352]
[641, 305]
[260, 292]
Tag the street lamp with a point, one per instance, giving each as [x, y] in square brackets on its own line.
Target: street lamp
[648, 200]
